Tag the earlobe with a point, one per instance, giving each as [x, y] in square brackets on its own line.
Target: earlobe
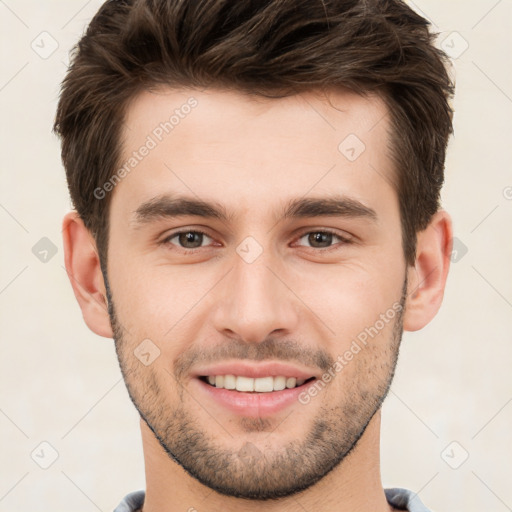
[427, 278]
[84, 272]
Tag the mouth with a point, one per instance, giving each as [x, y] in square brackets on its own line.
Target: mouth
[253, 389]
[242, 384]
[251, 397]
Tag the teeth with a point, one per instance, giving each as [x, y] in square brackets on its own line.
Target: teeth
[244, 384]
[229, 381]
[263, 384]
[291, 382]
[279, 383]
[259, 385]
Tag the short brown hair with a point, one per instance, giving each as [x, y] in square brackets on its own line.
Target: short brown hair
[268, 47]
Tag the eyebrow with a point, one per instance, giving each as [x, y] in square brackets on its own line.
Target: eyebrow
[339, 206]
[166, 206]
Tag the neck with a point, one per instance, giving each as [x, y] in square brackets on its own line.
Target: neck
[353, 486]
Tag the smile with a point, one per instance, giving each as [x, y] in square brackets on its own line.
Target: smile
[254, 385]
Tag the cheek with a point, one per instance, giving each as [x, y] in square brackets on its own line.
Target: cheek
[349, 298]
[364, 365]
[153, 300]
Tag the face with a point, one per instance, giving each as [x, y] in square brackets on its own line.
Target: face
[256, 280]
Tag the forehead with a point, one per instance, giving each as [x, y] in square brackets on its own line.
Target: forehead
[248, 149]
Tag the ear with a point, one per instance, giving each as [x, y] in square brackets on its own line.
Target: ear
[84, 272]
[427, 278]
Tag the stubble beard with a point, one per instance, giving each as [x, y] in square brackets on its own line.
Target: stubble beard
[249, 471]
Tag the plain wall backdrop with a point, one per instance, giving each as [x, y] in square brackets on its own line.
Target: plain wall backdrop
[447, 422]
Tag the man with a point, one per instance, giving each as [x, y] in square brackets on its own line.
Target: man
[257, 220]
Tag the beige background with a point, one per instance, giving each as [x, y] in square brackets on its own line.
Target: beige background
[60, 383]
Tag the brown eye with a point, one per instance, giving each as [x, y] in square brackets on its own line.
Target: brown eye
[188, 239]
[322, 239]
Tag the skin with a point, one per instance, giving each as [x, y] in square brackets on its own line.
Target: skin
[296, 301]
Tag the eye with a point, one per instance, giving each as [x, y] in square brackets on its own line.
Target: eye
[188, 239]
[322, 239]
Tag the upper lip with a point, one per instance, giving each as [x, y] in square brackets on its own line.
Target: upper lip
[255, 370]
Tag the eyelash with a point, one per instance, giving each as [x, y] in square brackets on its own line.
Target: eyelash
[343, 240]
[167, 239]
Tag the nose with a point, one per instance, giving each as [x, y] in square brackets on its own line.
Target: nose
[255, 301]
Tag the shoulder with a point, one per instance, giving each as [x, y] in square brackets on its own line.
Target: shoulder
[131, 502]
[404, 499]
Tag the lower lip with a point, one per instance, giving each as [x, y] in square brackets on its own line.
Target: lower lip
[253, 404]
